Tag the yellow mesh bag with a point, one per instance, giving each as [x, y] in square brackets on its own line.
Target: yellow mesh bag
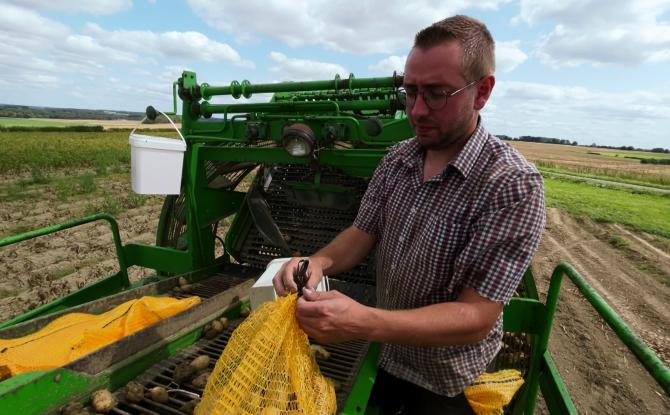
[267, 369]
[77, 334]
[490, 392]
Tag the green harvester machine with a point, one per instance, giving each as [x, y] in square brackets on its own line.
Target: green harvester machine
[308, 153]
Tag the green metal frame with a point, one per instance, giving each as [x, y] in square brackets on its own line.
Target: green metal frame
[107, 286]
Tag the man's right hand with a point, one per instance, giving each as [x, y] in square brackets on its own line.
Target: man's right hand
[284, 283]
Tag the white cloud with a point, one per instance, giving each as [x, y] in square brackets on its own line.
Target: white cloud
[508, 56]
[386, 66]
[346, 26]
[301, 69]
[577, 113]
[188, 46]
[98, 7]
[600, 32]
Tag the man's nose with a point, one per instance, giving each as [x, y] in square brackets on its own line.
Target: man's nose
[420, 108]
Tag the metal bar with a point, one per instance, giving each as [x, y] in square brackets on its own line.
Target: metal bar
[655, 366]
[554, 391]
[120, 255]
[323, 106]
[247, 88]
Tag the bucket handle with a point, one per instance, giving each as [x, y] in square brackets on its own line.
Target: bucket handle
[168, 118]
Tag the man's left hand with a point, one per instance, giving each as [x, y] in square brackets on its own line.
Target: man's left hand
[331, 317]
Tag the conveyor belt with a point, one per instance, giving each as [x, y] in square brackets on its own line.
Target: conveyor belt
[342, 366]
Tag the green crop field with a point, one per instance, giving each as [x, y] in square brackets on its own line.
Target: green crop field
[641, 211]
[27, 150]
[635, 154]
[32, 122]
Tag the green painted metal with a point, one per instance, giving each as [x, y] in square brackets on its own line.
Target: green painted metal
[357, 401]
[655, 366]
[554, 392]
[71, 224]
[246, 89]
[107, 286]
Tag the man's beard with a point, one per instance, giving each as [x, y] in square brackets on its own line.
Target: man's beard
[456, 135]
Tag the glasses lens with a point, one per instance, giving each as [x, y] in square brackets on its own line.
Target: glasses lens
[434, 101]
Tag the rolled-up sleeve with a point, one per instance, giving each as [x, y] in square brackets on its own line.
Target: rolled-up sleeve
[504, 238]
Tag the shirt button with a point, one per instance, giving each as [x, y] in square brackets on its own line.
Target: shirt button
[413, 210]
[401, 239]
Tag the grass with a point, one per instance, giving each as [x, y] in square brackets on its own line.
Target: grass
[34, 122]
[618, 241]
[641, 211]
[636, 154]
[61, 273]
[622, 176]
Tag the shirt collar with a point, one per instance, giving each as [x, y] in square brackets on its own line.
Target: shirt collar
[412, 156]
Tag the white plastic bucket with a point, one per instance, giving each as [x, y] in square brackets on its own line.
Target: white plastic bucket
[156, 163]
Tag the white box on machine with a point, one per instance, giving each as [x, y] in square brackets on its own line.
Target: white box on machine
[263, 290]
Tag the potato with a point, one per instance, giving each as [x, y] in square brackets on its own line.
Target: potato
[319, 352]
[211, 333]
[134, 392]
[217, 325]
[183, 281]
[224, 322]
[103, 401]
[200, 381]
[199, 363]
[183, 373]
[189, 407]
[159, 394]
[186, 288]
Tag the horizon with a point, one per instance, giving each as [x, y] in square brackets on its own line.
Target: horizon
[582, 70]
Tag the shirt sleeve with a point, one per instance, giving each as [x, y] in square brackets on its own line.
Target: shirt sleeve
[370, 210]
[504, 238]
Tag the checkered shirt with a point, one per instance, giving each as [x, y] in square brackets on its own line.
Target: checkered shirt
[477, 225]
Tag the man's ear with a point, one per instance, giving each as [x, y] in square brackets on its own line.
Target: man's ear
[484, 89]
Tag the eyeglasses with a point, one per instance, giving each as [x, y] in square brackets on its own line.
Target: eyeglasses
[434, 99]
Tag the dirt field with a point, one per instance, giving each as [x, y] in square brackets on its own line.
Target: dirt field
[586, 159]
[601, 374]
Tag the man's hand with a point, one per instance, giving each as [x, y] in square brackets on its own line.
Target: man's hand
[284, 283]
[331, 317]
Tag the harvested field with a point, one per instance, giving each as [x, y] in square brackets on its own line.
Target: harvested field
[631, 269]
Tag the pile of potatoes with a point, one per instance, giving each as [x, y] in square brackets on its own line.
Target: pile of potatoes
[183, 287]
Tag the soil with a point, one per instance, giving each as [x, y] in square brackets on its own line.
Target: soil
[631, 270]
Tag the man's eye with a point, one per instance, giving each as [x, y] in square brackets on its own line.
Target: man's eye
[434, 94]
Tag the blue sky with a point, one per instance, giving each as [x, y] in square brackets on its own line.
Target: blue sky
[584, 70]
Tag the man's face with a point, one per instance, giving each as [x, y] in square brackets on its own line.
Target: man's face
[439, 69]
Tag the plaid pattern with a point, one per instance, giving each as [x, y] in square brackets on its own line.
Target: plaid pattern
[477, 225]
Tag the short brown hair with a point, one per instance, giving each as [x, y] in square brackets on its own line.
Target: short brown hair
[474, 37]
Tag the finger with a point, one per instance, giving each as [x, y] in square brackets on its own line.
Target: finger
[311, 295]
[283, 279]
[305, 308]
[314, 275]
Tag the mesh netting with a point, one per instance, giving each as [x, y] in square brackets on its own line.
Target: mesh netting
[490, 392]
[77, 334]
[267, 369]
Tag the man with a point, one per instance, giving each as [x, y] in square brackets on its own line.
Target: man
[455, 215]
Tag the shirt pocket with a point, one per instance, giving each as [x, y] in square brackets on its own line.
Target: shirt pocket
[441, 241]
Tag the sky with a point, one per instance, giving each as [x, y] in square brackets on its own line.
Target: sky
[591, 71]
